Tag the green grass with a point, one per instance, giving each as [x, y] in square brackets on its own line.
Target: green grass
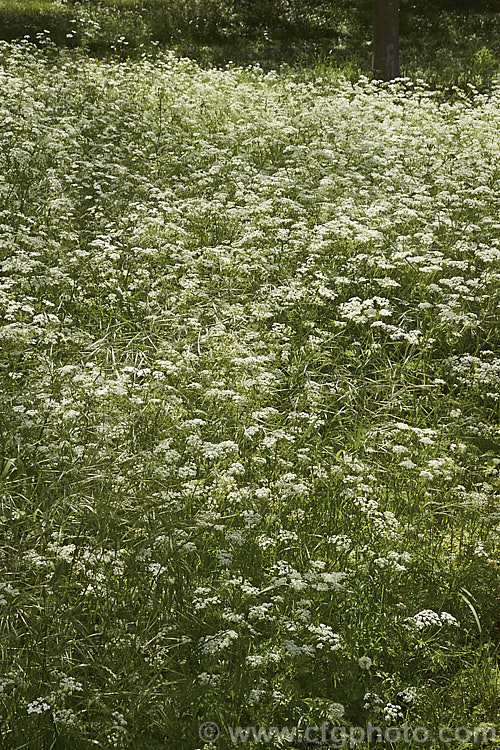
[445, 47]
[249, 391]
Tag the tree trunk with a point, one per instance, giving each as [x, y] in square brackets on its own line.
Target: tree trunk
[386, 39]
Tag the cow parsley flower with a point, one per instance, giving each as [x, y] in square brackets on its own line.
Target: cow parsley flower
[365, 662]
[38, 706]
[428, 618]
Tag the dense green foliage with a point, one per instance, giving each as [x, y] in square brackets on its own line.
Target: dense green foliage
[250, 381]
[437, 42]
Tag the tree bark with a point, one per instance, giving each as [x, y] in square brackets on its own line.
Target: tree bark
[386, 39]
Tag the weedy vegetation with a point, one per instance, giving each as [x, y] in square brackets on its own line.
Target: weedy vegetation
[249, 398]
[447, 42]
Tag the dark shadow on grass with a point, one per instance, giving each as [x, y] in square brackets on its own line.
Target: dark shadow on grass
[275, 55]
[16, 24]
[271, 46]
[445, 48]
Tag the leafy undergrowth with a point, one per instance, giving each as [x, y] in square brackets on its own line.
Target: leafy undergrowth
[446, 42]
[250, 385]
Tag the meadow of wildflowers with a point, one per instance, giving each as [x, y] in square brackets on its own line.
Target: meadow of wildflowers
[249, 398]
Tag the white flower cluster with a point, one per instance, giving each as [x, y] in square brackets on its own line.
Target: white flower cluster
[360, 311]
[220, 641]
[427, 618]
[326, 637]
[289, 646]
[206, 679]
[393, 561]
[392, 712]
[38, 706]
[365, 662]
[408, 695]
